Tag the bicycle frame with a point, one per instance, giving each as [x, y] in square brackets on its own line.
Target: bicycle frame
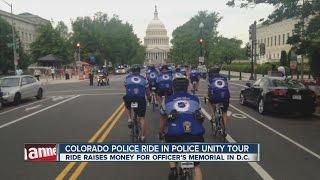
[219, 123]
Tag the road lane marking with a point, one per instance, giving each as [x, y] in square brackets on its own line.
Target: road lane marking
[83, 165]
[82, 90]
[239, 85]
[37, 112]
[42, 100]
[263, 173]
[239, 116]
[278, 133]
[33, 107]
[96, 135]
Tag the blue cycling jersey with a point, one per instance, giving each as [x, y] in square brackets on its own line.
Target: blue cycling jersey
[194, 74]
[218, 89]
[152, 76]
[136, 85]
[185, 123]
[164, 81]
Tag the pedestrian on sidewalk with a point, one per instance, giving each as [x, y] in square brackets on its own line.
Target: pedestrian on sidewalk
[37, 74]
[91, 75]
[53, 72]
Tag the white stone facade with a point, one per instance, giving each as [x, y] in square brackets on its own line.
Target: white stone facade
[274, 36]
[156, 42]
[26, 25]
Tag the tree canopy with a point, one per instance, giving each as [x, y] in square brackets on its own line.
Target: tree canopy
[107, 39]
[186, 45]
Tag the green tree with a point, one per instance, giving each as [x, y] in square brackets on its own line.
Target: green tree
[107, 39]
[313, 45]
[283, 58]
[185, 41]
[52, 41]
[6, 49]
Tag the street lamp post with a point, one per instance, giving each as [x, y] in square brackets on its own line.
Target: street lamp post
[15, 62]
[79, 59]
[201, 25]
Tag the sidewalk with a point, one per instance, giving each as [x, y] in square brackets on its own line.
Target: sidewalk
[46, 81]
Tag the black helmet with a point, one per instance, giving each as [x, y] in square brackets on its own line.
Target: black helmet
[164, 67]
[180, 83]
[214, 71]
[135, 70]
[178, 69]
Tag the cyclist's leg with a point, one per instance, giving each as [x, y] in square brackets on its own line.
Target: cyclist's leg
[141, 114]
[173, 173]
[197, 174]
[224, 114]
[197, 84]
[127, 103]
[212, 108]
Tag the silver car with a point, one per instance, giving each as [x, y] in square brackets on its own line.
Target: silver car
[17, 88]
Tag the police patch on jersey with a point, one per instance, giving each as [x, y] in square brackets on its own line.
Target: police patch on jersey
[136, 79]
[187, 126]
[219, 83]
[152, 75]
[182, 106]
[166, 77]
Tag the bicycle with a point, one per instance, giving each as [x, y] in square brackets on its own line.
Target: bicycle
[153, 98]
[135, 130]
[194, 87]
[217, 125]
[184, 171]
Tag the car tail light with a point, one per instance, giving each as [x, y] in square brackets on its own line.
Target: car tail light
[279, 92]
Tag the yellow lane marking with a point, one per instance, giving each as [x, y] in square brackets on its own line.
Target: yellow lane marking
[83, 165]
[70, 165]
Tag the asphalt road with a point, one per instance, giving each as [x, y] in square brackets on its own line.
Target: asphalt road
[75, 112]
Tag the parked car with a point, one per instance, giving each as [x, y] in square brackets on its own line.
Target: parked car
[17, 88]
[278, 94]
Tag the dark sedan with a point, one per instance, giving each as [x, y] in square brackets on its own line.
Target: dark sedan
[277, 94]
[1, 100]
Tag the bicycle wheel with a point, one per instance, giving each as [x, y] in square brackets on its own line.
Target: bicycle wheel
[153, 103]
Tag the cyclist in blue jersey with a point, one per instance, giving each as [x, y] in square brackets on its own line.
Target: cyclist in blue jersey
[184, 120]
[218, 92]
[137, 87]
[195, 77]
[152, 75]
[164, 89]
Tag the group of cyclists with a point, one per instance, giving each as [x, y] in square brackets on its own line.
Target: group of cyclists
[181, 118]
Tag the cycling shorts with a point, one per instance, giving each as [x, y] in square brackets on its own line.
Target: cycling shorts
[142, 104]
[194, 79]
[225, 104]
[164, 92]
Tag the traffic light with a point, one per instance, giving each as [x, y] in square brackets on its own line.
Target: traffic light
[262, 49]
[248, 50]
[200, 41]
[250, 32]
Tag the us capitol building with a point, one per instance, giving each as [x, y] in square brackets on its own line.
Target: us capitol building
[156, 41]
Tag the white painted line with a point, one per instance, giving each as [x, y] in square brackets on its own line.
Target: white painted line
[37, 112]
[263, 173]
[278, 133]
[85, 90]
[238, 84]
[33, 107]
[24, 106]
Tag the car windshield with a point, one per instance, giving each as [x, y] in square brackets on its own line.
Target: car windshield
[287, 83]
[10, 82]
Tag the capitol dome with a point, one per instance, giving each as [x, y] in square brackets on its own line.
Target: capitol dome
[156, 41]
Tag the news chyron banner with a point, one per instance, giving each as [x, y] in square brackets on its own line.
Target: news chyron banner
[142, 152]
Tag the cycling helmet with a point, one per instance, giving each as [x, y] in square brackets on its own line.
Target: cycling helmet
[164, 67]
[180, 83]
[178, 70]
[135, 70]
[214, 71]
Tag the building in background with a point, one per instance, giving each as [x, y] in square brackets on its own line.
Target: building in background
[275, 37]
[26, 26]
[156, 41]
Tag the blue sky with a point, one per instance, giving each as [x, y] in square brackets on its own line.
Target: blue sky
[173, 13]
